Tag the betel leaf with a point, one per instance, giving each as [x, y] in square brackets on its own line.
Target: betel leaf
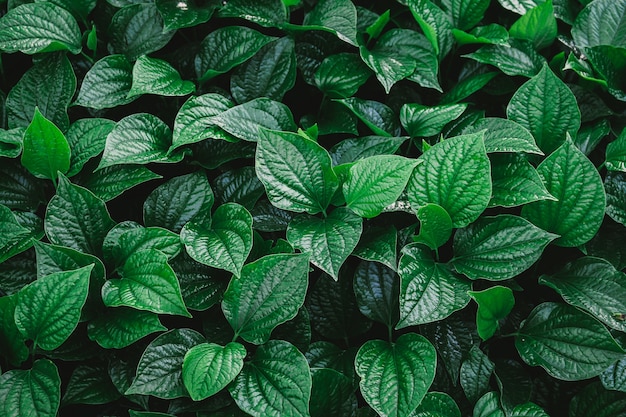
[142, 238]
[615, 185]
[489, 406]
[489, 34]
[396, 376]
[329, 240]
[435, 23]
[517, 58]
[568, 343]
[594, 400]
[548, 116]
[268, 13]
[435, 226]
[160, 369]
[332, 393]
[295, 171]
[528, 410]
[377, 116]
[90, 384]
[276, 382]
[269, 292]
[429, 291]
[499, 247]
[353, 149]
[579, 211]
[46, 151]
[467, 86]
[76, 218]
[15, 238]
[147, 283]
[594, 285]
[239, 186]
[504, 135]
[341, 75]
[494, 304]
[378, 245]
[155, 76]
[600, 23]
[375, 182]
[86, 138]
[475, 373]
[209, 367]
[120, 327]
[110, 182]
[537, 25]
[614, 377]
[454, 174]
[107, 83]
[12, 342]
[335, 16]
[223, 243]
[616, 153]
[422, 121]
[39, 27]
[437, 404]
[377, 288]
[201, 286]
[609, 62]
[11, 142]
[325, 355]
[48, 310]
[38, 388]
[177, 17]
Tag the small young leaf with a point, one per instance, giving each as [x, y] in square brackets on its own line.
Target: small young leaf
[46, 150]
[155, 76]
[39, 388]
[515, 182]
[494, 304]
[107, 83]
[120, 327]
[435, 226]
[423, 121]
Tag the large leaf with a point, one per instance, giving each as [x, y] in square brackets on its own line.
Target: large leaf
[579, 211]
[454, 174]
[275, 383]
[601, 23]
[39, 27]
[86, 138]
[295, 171]
[335, 16]
[269, 292]
[142, 238]
[594, 285]
[396, 376]
[107, 83]
[48, 310]
[110, 182]
[429, 291]
[377, 290]
[341, 75]
[494, 304]
[437, 404]
[538, 26]
[155, 76]
[504, 135]
[120, 327]
[329, 240]
[31, 393]
[515, 182]
[499, 247]
[567, 343]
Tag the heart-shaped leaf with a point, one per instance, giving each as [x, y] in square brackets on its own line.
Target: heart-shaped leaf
[38, 388]
[341, 75]
[120, 327]
[107, 83]
[155, 76]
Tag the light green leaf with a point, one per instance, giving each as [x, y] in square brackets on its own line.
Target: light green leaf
[429, 291]
[494, 304]
[615, 187]
[377, 288]
[594, 285]
[295, 171]
[504, 135]
[489, 406]
[436, 25]
[475, 373]
[35, 392]
[595, 401]
[423, 121]
[177, 17]
[39, 27]
[329, 241]
[341, 75]
[269, 292]
[437, 404]
[601, 23]
[517, 58]
[246, 120]
[46, 150]
[160, 369]
[335, 16]
[120, 327]
[435, 226]
[12, 343]
[499, 247]
[537, 25]
[110, 182]
[155, 76]
[90, 384]
[223, 243]
[147, 283]
[569, 344]
[515, 182]
[396, 376]
[269, 13]
[354, 149]
[86, 138]
[616, 153]
[332, 393]
[376, 116]
[209, 367]
[375, 182]
[378, 245]
[48, 310]
[107, 83]
[579, 211]
[454, 174]
[492, 33]
[277, 382]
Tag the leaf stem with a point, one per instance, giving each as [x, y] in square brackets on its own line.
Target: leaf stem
[87, 57]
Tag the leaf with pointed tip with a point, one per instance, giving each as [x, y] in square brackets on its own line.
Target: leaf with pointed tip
[568, 343]
[202, 287]
[225, 242]
[24, 391]
[12, 342]
[489, 34]
[517, 58]
[143, 238]
[466, 14]
[435, 226]
[15, 237]
[335, 16]
[437, 404]
[332, 393]
[489, 406]
[423, 121]
[353, 149]
[177, 17]
[377, 116]
[600, 23]
[436, 25]
[107, 83]
[614, 377]
[269, 13]
[90, 384]
[396, 376]
[155, 76]
[494, 304]
[537, 25]
[475, 374]
[528, 410]
[239, 186]
[377, 290]
[579, 211]
[341, 75]
[18, 188]
[515, 182]
[378, 245]
[615, 187]
[616, 153]
[46, 150]
[87, 138]
[467, 86]
[120, 327]
[504, 135]
[110, 182]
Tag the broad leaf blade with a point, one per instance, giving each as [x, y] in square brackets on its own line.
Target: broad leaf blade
[120, 327]
[377, 290]
[518, 58]
[423, 121]
[336, 16]
[377, 116]
[107, 83]
[23, 391]
[601, 23]
[341, 75]
[494, 304]
[87, 138]
[515, 182]
[46, 151]
[475, 373]
[155, 76]
[504, 135]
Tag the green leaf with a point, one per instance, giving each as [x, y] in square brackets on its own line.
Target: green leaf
[107, 83]
[225, 48]
[325, 355]
[494, 304]
[39, 27]
[269, 13]
[465, 14]
[176, 17]
[378, 245]
[614, 377]
[140, 138]
[15, 238]
[569, 344]
[615, 185]
[475, 373]
[454, 174]
[147, 283]
[208, 367]
[489, 406]
[177, 201]
[423, 121]
[143, 238]
[594, 285]
[537, 25]
[437, 404]
[616, 153]
[600, 23]
[517, 58]
[87, 138]
[375, 182]
[436, 25]
[377, 288]
[270, 73]
[341, 75]
[295, 171]
[499, 247]
[90, 384]
[18, 188]
[377, 116]
[17, 271]
[490, 34]
[160, 369]
[528, 410]
[609, 62]
[515, 182]
[239, 186]
[429, 291]
[223, 243]
[32, 392]
[48, 85]
[269, 292]
[46, 150]
[48, 310]
[76, 218]
[12, 342]
[335, 16]
[435, 226]
[110, 182]
[277, 382]
[332, 393]
[137, 30]
[11, 142]
[329, 241]
[120, 327]
[504, 135]
[396, 376]
[201, 286]
[246, 120]
[353, 149]
[155, 76]
[593, 400]
[578, 213]
[549, 117]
